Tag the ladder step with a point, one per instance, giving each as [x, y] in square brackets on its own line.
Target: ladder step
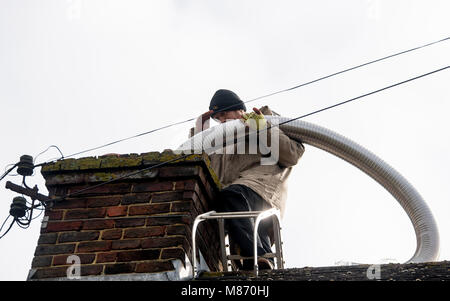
[267, 255]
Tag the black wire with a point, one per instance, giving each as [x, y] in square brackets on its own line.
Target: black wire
[349, 69]
[257, 98]
[40, 213]
[367, 94]
[4, 222]
[51, 146]
[23, 225]
[243, 137]
[7, 172]
[10, 226]
[333, 106]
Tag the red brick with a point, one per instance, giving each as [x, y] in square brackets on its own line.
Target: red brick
[93, 246]
[167, 196]
[159, 220]
[178, 230]
[85, 213]
[129, 222]
[108, 201]
[70, 203]
[115, 188]
[63, 226]
[78, 236]
[84, 259]
[47, 238]
[91, 269]
[144, 232]
[126, 244]
[150, 187]
[106, 257]
[54, 214]
[112, 234]
[41, 261]
[119, 268]
[173, 253]
[117, 211]
[185, 184]
[185, 206]
[178, 171]
[54, 249]
[162, 242]
[149, 209]
[137, 255]
[136, 198]
[98, 224]
[154, 266]
[50, 273]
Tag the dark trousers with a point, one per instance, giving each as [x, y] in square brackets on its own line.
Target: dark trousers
[241, 198]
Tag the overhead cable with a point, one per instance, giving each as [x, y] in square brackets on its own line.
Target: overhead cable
[258, 98]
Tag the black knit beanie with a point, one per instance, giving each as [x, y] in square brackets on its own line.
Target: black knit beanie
[226, 100]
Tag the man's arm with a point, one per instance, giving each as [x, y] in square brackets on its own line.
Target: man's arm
[290, 151]
[201, 124]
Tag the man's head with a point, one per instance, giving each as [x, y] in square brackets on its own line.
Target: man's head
[226, 105]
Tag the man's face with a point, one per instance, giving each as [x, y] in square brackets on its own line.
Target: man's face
[227, 115]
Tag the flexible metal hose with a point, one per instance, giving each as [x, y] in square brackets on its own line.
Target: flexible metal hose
[425, 227]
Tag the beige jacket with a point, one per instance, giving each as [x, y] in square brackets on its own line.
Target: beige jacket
[269, 181]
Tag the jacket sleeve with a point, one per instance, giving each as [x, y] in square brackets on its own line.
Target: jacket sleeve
[290, 151]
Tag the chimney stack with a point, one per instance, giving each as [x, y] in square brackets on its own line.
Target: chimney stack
[136, 228]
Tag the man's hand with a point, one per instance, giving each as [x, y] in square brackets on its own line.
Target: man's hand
[200, 123]
[257, 111]
[206, 116]
[255, 120]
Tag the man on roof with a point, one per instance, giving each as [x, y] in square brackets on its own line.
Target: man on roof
[249, 185]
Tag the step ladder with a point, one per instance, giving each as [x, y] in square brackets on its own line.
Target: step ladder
[258, 216]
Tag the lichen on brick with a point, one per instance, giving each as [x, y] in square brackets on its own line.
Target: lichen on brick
[69, 164]
[122, 161]
[56, 166]
[88, 163]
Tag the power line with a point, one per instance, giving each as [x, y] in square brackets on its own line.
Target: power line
[265, 129]
[258, 98]
[9, 228]
[350, 69]
[367, 94]
[8, 171]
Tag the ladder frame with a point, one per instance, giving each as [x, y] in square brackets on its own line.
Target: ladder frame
[258, 216]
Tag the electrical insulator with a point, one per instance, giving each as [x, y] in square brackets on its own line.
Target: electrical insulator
[25, 166]
[18, 207]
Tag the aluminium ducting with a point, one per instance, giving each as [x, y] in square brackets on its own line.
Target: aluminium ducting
[415, 207]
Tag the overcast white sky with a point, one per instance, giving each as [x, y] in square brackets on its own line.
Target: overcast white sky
[82, 73]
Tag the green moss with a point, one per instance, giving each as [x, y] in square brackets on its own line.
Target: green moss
[51, 167]
[102, 176]
[133, 160]
[69, 164]
[213, 174]
[150, 157]
[88, 163]
[122, 161]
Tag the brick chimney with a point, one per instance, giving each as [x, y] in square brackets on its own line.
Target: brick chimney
[138, 228]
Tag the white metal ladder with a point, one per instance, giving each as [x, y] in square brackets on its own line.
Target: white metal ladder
[258, 216]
